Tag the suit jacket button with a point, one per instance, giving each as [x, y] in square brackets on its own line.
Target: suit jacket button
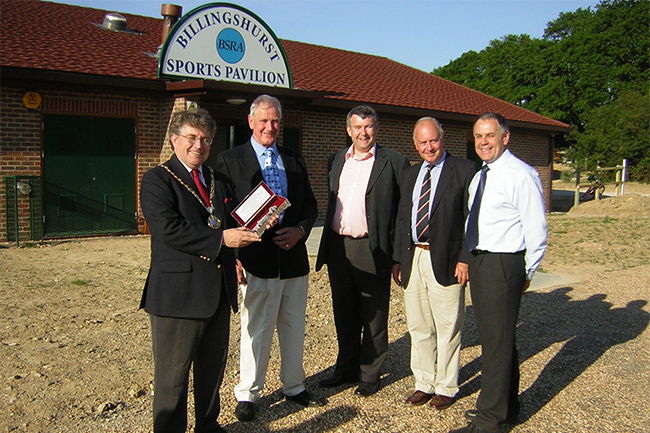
[219, 266]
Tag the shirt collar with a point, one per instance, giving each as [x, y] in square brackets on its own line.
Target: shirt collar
[259, 149]
[189, 170]
[501, 160]
[439, 163]
[371, 153]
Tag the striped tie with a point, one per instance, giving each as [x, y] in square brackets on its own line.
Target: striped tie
[422, 225]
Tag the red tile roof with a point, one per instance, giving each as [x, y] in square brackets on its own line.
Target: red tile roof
[59, 37]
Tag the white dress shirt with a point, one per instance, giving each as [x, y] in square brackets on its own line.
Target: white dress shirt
[512, 216]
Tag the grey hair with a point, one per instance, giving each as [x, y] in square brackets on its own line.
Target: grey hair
[266, 101]
[199, 119]
[441, 132]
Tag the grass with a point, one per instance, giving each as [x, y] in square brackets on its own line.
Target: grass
[598, 243]
[79, 282]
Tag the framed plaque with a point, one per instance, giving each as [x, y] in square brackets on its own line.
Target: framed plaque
[258, 206]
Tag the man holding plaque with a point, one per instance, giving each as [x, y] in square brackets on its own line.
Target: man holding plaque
[192, 281]
[275, 284]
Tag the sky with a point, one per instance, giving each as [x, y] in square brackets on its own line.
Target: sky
[423, 34]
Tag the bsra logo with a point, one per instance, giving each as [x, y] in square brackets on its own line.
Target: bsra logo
[230, 46]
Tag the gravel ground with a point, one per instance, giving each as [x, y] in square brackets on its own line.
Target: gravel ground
[76, 352]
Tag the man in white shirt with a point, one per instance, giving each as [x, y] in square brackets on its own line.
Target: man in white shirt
[506, 234]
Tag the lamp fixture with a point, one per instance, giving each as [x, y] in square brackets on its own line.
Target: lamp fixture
[235, 101]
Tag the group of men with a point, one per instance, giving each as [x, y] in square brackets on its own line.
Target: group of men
[384, 218]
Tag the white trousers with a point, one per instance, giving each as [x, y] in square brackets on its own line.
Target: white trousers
[435, 316]
[269, 304]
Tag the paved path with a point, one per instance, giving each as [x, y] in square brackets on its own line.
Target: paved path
[541, 280]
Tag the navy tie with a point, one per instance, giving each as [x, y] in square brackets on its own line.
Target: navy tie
[471, 237]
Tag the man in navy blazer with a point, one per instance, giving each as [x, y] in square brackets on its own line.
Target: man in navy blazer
[357, 246]
[192, 282]
[431, 263]
[274, 288]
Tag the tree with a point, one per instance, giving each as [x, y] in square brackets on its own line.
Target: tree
[586, 60]
[616, 131]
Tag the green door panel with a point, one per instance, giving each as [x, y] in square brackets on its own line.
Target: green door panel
[89, 174]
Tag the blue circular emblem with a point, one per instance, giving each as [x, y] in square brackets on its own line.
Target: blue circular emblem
[230, 45]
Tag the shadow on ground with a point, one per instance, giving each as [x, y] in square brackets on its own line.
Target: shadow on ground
[588, 327]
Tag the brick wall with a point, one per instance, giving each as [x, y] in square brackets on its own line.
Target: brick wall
[323, 133]
[21, 136]
[20, 154]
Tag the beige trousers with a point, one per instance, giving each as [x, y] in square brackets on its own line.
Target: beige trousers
[435, 316]
[269, 304]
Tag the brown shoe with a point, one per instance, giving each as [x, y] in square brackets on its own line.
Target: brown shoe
[441, 402]
[418, 398]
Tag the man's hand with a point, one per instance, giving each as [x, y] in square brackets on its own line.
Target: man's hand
[397, 274]
[526, 286]
[272, 221]
[462, 273]
[239, 237]
[241, 276]
[287, 237]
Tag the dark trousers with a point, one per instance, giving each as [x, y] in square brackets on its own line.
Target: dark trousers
[496, 282]
[360, 302]
[177, 344]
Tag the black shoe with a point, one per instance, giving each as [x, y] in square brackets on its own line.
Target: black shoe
[367, 388]
[307, 399]
[339, 379]
[470, 428]
[471, 415]
[245, 411]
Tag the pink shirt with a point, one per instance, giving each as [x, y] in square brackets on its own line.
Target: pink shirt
[350, 214]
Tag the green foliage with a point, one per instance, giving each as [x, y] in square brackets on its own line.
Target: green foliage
[618, 130]
[590, 64]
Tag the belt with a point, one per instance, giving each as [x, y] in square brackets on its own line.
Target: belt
[423, 246]
[479, 252]
[350, 237]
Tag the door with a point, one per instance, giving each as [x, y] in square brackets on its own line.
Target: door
[89, 174]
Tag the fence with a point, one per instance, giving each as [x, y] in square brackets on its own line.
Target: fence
[621, 177]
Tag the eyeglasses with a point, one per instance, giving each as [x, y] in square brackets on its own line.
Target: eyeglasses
[192, 139]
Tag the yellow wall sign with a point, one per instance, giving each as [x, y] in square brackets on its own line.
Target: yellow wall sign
[32, 100]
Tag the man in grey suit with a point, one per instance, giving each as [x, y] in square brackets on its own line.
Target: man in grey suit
[357, 246]
[192, 282]
[432, 263]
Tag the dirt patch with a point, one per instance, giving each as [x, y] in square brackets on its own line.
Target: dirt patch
[628, 205]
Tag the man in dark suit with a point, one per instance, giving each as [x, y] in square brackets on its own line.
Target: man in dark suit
[432, 263]
[192, 282]
[277, 269]
[357, 246]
